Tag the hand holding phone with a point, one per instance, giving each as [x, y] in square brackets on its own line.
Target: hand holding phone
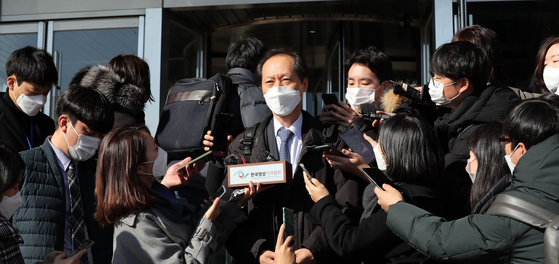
[220, 192]
[377, 177]
[329, 150]
[306, 171]
[222, 125]
[330, 99]
[358, 144]
[288, 221]
[84, 245]
[201, 159]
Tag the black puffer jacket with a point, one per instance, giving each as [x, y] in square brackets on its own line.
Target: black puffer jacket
[41, 218]
[455, 128]
[247, 103]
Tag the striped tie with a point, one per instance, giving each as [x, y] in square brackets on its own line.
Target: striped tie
[77, 226]
[285, 134]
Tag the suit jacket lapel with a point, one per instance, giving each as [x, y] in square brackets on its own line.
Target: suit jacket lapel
[271, 137]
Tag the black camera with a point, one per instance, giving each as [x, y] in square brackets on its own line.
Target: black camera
[408, 91]
[369, 112]
[375, 116]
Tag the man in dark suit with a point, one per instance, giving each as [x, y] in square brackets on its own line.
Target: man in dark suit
[31, 74]
[288, 135]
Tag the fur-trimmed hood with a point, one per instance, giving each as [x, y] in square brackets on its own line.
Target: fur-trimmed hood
[124, 96]
[391, 101]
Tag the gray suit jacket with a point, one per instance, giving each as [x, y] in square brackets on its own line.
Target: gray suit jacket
[149, 237]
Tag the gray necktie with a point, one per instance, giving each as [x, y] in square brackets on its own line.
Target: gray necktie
[285, 134]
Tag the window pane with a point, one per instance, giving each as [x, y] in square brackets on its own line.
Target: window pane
[9, 43]
[184, 47]
[91, 47]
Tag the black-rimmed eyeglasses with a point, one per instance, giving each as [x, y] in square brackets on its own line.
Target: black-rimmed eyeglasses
[503, 141]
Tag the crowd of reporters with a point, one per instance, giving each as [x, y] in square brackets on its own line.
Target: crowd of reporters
[449, 149]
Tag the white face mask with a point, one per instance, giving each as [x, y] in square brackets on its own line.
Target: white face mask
[436, 90]
[551, 79]
[381, 163]
[469, 170]
[282, 100]
[9, 205]
[85, 146]
[30, 105]
[509, 161]
[159, 168]
[358, 96]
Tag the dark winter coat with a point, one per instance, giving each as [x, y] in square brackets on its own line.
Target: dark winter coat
[487, 199]
[488, 238]
[455, 128]
[265, 210]
[13, 123]
[247, 103]
[370, 240]
[41, 218]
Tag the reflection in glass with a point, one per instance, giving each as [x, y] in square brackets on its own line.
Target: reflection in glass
[91, 47]
[9, 43]
[184, 47]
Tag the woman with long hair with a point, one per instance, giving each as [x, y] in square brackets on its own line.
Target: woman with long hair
[150, 224]
[488, 170]
[546, 75]
[409, 154]
[530, 137]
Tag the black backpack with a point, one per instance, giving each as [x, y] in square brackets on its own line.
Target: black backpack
[190, 111]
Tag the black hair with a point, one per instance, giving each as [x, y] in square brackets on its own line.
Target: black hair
[488, 40]
[300, 66]
[411, 150]
[87, 105]
[532, 121]
[378, 62]
[462, 59]
[537, 79]
[134, 70]
[484, 143]
[245, 53]
[11, 166]
[32, 65]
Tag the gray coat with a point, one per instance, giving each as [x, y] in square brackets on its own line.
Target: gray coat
[150, 237]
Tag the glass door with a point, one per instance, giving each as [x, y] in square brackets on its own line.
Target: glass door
[334, 76]
[80, 43]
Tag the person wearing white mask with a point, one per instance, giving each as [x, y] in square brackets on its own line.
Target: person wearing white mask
[59, 179]
[460, 72]
[409, 155]
[532, 128]
[486, 166]
[150, 222]
[546, 75]
[11, 168]
[287, 136]
[368, 79]
[30, 75]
